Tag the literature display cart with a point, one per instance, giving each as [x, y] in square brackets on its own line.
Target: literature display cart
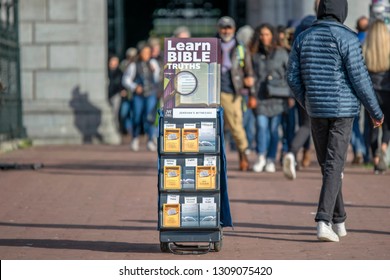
[193, 204]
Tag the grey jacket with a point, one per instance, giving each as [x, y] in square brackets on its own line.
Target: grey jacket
[275, 65]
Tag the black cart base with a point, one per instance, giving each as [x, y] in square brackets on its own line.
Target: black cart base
[190, 242]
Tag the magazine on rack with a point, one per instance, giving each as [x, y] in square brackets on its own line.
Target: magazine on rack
[191, 72]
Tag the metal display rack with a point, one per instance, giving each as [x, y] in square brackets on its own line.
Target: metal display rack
[198, 233]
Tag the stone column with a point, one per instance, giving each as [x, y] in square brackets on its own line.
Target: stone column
[64, 71]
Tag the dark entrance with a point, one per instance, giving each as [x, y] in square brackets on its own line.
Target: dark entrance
[10, 95]
[132, 21]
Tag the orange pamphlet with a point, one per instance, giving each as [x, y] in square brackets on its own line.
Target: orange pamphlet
[172, 177]
[190, 140]
[172, 140]
[171, 215]
[205, 177]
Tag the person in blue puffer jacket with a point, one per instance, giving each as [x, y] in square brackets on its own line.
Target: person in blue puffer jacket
[329, 79]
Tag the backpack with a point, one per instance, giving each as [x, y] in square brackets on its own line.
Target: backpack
[240, 53]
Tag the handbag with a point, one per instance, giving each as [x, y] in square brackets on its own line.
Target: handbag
[277, 88]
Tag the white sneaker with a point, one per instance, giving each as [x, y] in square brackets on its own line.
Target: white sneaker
[151, 146]
[289, 166]
[135, 145]
[270, 167]
[325, 232]
[260, 163]
[339, 229]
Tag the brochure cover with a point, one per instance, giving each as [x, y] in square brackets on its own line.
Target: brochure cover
[208, 214]
[207, 137]
[189, 215]
[172, 177]
[205, 177]
[172, 139]
[191, 72]
[188, 178]
[171, 215]
[190, 140]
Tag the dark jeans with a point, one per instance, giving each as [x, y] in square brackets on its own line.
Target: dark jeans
[125, 116]
[331, 139]
[357, 140]
[288, 126]
[302, 136]
[144, 113]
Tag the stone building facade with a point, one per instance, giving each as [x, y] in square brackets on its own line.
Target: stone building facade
[63, 47]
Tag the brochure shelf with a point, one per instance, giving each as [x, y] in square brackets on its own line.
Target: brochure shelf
[189, 219]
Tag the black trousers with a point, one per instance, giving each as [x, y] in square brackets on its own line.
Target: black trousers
[373, 133]
[331, 137]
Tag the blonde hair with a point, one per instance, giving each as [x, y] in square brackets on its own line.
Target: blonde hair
[376, 48]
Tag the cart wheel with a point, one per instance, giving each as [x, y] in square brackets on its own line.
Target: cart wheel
[218, 246]
[164, 247]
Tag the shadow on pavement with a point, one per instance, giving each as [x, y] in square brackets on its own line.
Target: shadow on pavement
[141, 221]
[139, 169]
[67, 226]
[103, 246]
[266, 177]
[297, 203]
[269, 226]
[233, 234]
[295, 228]
[100, 166]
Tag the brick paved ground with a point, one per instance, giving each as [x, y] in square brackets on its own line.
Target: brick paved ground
[99, 202]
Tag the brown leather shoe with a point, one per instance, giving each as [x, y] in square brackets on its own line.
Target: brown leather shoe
[357, 159]
[244, 163]
[306, 159]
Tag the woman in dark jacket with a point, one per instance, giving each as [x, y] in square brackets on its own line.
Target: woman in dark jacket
[377, 55]
[268, 60]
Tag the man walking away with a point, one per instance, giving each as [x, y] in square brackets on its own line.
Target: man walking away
[329, 79]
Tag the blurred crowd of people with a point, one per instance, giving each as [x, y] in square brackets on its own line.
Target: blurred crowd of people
[255, 122]
[135, 89]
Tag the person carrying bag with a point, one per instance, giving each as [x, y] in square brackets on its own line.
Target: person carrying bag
[269, 65]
